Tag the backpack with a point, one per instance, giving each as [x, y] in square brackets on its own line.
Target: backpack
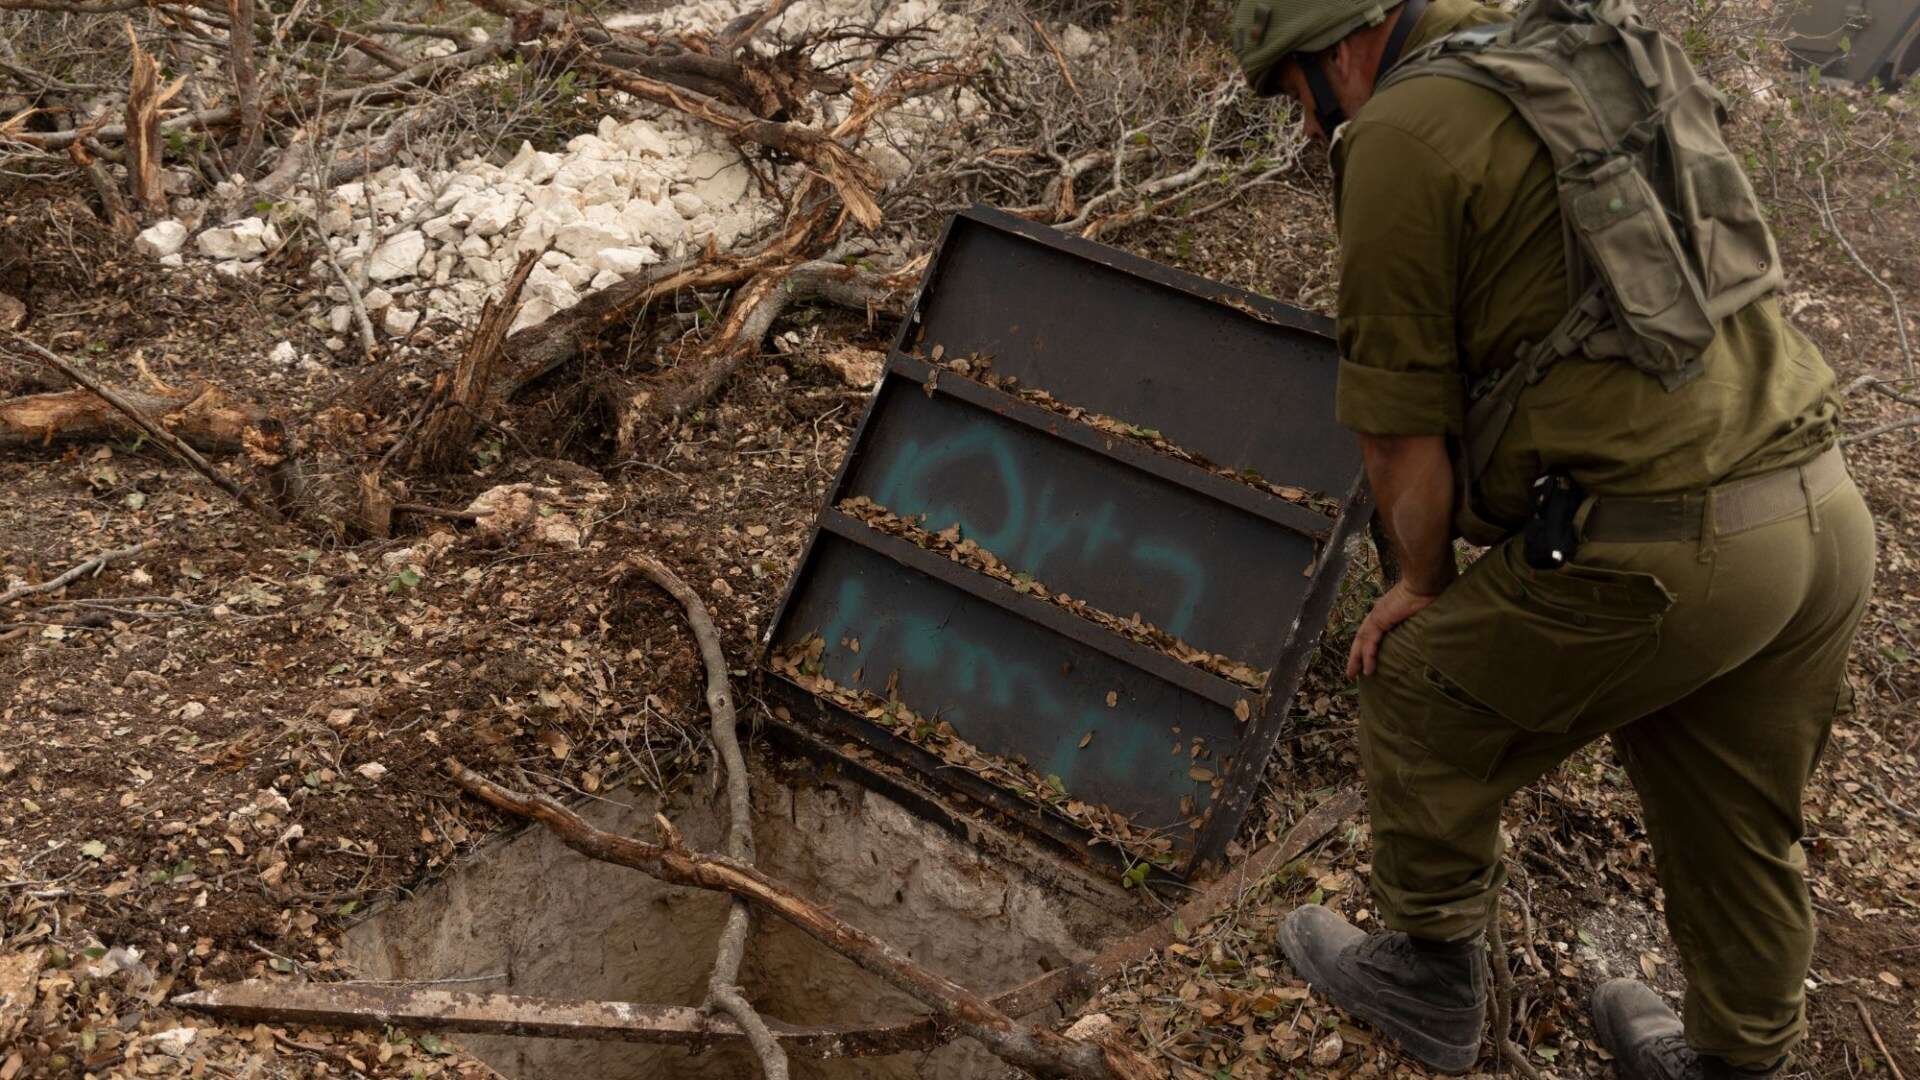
[1663, 229]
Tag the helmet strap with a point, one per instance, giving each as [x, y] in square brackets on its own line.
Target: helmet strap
[1397, 40]
[1326, 105]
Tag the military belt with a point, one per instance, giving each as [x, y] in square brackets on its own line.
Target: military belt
[1718, 511]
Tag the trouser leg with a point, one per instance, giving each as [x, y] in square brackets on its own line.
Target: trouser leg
[1438, 770]
[1720, 775]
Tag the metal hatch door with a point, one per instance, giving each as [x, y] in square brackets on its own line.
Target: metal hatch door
[1085, 540]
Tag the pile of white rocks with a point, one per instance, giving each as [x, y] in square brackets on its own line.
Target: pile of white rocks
[623, 197]
[629, 194]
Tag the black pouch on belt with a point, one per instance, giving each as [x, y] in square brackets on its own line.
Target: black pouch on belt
[1551, 538]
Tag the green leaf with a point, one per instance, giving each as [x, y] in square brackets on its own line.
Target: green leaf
[434, 1044]
[349, 907]
[94, 952]
[281, 965]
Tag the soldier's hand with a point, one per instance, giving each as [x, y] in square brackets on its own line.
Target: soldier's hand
[1394, 607]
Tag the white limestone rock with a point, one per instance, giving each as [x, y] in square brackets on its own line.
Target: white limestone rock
[398, 321]
[621, 261]
[532, 166]
[688, 204]
[718, 177]
[284, 353]
[489, 212]
[243, 239]
[161, 239]
[399, 257]
[582, 239]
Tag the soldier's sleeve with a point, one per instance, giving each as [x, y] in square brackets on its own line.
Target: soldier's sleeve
[1402, 208]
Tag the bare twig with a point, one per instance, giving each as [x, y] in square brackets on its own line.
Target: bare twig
[1833, 226]
[1866, 1017]
[1882, 429]
[159, 434]
[1038, 1050]
[723, 988]
[246, 92]
[97, 562]
[368, 343]
[1504, 1046]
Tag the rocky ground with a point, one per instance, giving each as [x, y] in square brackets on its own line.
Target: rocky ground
[215, 751]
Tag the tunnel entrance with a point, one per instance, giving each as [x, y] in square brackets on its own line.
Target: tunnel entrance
[550, 922]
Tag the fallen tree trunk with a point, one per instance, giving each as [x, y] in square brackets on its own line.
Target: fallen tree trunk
[209, 420]
[1042, 1052]
[165, 437]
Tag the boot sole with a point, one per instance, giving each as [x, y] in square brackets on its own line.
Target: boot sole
[1450, 1058]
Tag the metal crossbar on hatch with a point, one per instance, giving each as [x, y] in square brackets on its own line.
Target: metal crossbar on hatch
[1084, 542]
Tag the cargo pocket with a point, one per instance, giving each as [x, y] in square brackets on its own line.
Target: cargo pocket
[1537, 648]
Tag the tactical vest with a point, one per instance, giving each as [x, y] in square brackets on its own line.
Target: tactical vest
[1664, 237]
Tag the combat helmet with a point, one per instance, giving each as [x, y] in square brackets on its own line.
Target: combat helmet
[1265, 32]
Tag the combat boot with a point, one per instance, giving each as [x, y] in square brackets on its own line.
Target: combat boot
[1647, 1041]
[1430, 997]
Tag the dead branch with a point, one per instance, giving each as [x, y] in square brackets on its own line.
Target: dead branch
[424, 75]
[850, 174]
[751, 315]
[113, 206]
[159, 434]
[209, 420]
[1881, 429]
[98, 562]
[94, 7]
[754, 24]
[1505, 1048]
[723, 989]
[1833, 226]
[246, 93]
[539, 350]
[144, 99]
[1043, 1052]
[449, 431]
[1866, 1018]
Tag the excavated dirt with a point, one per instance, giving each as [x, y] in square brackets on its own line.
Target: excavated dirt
[529, 916]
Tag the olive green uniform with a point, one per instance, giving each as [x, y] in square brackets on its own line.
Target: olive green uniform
[1716, 663]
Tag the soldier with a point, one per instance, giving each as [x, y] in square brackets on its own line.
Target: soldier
[1559, 339]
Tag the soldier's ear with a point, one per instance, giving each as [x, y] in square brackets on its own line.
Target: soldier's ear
[1341, 58]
